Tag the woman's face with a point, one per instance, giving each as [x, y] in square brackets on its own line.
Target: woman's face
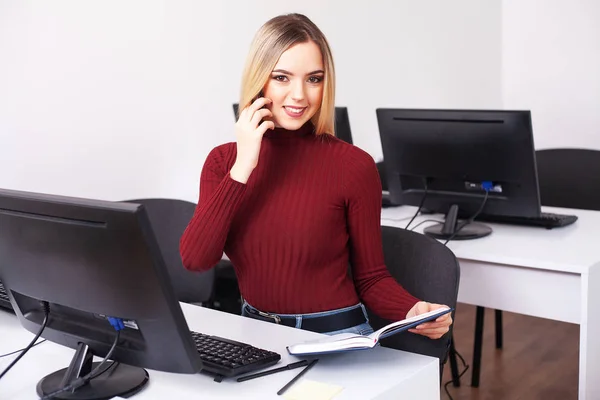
[296, 86]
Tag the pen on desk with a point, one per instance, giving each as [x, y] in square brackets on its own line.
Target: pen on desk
[273, 371]
[290, 383]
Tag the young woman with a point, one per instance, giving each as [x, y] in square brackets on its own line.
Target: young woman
[291, 205]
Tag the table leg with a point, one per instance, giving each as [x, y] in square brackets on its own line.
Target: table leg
[480, 313]
[498, 328]
[589, 335]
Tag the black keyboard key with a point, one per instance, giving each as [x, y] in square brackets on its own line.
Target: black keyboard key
[3, 294]
[4, 300]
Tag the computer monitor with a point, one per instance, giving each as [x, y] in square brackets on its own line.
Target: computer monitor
[91, 260]
[342, 123]
[449, 157]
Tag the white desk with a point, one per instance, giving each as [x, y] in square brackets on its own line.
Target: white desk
[378, 374]
[551, 274]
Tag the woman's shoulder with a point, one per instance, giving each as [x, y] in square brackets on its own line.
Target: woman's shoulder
[349, 153]
[222, 155]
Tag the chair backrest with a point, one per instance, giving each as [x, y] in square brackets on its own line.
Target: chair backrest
[169, 218]
[569, 178]
[382, 175]
[430, 272]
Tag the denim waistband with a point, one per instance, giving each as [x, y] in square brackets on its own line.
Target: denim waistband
[300, 317]
[309, 315]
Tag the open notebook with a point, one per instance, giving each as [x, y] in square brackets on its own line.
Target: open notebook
[352, 341]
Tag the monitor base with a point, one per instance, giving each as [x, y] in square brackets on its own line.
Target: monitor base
[114, 379]
[474, 230]
[453, 229]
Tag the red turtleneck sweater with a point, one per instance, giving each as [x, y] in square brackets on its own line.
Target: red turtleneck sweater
[311, 206]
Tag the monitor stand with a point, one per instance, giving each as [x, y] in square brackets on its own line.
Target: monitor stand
[447, 230]
[113, 380]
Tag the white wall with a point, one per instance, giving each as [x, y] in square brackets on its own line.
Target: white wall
[122, 99]
[551, 65]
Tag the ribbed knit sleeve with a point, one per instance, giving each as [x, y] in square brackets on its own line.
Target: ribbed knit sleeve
[376, 287]
[201, 245]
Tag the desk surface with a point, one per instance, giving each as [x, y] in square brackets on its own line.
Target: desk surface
[380, 373]
[571, 248]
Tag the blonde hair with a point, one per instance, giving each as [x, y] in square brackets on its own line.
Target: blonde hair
[270, 42]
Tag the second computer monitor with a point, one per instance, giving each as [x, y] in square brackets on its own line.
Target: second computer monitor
[453, 154]
[342, 123]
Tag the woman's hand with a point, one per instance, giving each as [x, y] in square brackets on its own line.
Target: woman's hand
[249, 132]
[433, 329]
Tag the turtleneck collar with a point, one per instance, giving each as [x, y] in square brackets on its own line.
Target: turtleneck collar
[305, 130]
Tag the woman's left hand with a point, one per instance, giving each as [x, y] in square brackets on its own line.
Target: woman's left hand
[433, 329]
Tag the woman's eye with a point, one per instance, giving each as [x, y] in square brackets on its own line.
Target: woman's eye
[315, 79]
[280, 78]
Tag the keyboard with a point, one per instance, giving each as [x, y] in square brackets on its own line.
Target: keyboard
[227, 358]
[4, 300]
[545, 220]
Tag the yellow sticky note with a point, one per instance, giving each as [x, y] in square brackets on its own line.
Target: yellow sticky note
[312, 390]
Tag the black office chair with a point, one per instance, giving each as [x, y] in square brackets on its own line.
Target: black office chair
[430, 271]
[567, 178]
[226, 295]
[169, 218]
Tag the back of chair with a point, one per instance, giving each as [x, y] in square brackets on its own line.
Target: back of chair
[569, 178]
[169, 218]
[382, 175]
[430, 272]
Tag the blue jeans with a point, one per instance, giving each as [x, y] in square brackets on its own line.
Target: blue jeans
[362, 329]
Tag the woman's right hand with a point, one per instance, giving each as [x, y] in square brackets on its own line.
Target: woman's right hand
[249, 132]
